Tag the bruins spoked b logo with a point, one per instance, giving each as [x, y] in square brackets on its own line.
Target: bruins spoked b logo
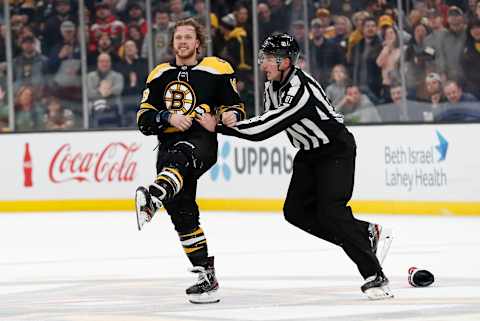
[179, 97]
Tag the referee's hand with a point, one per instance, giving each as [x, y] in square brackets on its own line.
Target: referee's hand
[229, 118]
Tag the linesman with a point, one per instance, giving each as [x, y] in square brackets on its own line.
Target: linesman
[323, 168]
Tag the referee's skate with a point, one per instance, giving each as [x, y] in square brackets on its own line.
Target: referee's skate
[376, 287]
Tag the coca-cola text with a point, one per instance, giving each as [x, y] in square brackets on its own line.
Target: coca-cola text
[113, 163]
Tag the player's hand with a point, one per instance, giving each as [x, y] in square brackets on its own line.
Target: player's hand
[208, 121]
[229, 118]
[180, 122]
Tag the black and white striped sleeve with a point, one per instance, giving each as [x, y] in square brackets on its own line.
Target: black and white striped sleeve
[272, 121]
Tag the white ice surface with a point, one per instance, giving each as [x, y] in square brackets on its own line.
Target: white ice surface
[98, 267]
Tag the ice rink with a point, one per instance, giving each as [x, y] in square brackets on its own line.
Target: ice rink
[98, 267]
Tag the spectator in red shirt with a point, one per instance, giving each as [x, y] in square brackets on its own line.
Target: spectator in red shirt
[106, 23]
[136, 17]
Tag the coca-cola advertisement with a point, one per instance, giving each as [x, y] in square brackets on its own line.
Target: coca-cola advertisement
[76, 167]
[112, 162]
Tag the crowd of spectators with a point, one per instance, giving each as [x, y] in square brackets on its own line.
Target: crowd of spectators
[354, 48]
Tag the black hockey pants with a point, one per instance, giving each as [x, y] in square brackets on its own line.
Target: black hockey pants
[320, 188]
[191, 156]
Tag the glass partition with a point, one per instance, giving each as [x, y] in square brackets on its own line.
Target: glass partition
[440, 58]
[233, 41]
[116, 71]
[83, 64]
[4, 91]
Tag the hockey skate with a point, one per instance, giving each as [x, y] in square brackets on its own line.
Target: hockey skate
[380, 240]
[146, 206]
[376, 287]
[205, 289]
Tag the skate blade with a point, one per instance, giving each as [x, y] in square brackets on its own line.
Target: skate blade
[379, 293]
[204, 298]
[384, 244]
[142, 217]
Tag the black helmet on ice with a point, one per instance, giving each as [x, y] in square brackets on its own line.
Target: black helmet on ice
[280, 45]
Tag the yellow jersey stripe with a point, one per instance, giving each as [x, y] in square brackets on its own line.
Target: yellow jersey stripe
[139, 113]
[215, 66]
[147, 106]
[171, 130]
[158, 70]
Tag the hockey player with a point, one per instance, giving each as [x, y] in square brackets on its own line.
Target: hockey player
[176, 92]
[324, 167]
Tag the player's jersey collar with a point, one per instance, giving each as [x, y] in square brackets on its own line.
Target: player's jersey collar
[173, 63]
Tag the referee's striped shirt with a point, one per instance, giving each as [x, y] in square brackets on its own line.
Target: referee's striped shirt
[300, 107]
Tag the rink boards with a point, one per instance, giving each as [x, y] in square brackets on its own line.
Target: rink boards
[425, 169]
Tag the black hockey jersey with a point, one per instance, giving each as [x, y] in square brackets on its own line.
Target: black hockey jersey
[209, 86]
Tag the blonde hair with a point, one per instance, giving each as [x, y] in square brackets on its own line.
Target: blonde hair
[347, 22]
[198, 31]
[359, 15]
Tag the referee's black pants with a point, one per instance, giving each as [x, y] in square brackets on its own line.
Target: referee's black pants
[320, 188]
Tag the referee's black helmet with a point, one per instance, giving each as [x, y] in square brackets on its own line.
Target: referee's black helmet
[280, 45]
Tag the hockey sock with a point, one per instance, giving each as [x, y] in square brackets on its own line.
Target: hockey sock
[195, 246]
[168, 183]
